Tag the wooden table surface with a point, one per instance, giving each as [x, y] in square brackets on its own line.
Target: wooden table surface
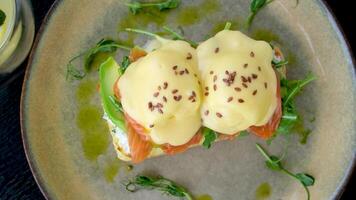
[16, 181]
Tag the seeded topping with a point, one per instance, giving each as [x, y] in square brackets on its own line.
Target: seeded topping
[206, 88]
[152, 125]
[237, 89]
[217, 50]
[219, 115]
[193, 94]
[230, 99]
[199, 82]
[181, 72]
[215, 87]
[206, 112]
[245, 65]
[190, 98]
[254, 76]
[150, 106]
[164, 99]
[266, 85]
[227, 72]
[241, 100]
[215, 78]
[206, 93]
[159, 88]
[249, 79]
[174, 91]
[165, 85]
[177, 98]
[244, 84]
[252, 54]
[254, 93]
[259, 68]
[195, 75]
[175, 67]
[243, 79]
[230, 78]
[189, 56]
[211, 72]
[160, 111]
[186, 71]
[175, 73]
[159, 105]
[193, 101]
[156, 94]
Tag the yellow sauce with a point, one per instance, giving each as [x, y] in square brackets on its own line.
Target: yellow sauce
[204, 197]
[249, 99]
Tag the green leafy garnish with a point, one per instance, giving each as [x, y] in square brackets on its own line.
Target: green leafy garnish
[290, 117]
[176, 36]
[274, 163]
[124, 64]
[160, 183]
[280, 63]
[255, 7]
[136, 7]
[2, 17]
[103, 46]
[227, 26]
[209, 137]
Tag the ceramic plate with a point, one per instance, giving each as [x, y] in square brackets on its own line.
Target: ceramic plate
[69, 147]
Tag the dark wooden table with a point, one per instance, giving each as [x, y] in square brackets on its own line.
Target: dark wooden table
[16, 181]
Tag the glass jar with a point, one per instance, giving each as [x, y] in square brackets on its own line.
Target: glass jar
[16, 34]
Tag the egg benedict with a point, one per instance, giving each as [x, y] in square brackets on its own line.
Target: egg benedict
[239, 83]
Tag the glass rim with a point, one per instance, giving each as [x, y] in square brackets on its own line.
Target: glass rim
[11, 24]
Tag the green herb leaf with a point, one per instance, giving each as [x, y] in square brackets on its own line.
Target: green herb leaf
[243, 134]
[104, 45]
[274, 163]
[209, 137]
[136, 7]
[227, 26]
[160, 183]
[177, 36]
[280, 63]
[255, 6]
[124, 64]
[305, 179]
[295, 87]
[2, 17]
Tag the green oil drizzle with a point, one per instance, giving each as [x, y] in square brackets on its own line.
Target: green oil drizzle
[266, 35]
[95, 134]
[111, 170]
[194, 14]
[85, 91]
[204, 197]
[263, 191]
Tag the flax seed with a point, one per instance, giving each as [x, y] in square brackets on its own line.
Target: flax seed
[241, 100]
[252, 54]
[230, 99]
[206, 112]
[217, 50]
[189, 56]
[245, 86]
[254, 93]
[254, 76]
[237, 89]
[219, 115]
[165, 85]
[156, 94]
[174, 91]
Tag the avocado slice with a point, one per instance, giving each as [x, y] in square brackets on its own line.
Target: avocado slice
[109, 73]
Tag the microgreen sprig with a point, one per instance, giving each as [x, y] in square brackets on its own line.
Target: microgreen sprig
[274, 163]
[2, 17]
[103, 46]
[136, 7]
[255, 7]
[209, 137]
[227, 26]
[160, 183]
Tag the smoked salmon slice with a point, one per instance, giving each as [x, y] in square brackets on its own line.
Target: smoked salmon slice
[171, 150]
[139, 143]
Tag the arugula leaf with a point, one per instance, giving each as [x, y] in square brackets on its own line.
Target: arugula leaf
[103, 46]
[255, 7]
[274, 163]
[136, 7]
[160, 183]
[2, 17]
[209, 137]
